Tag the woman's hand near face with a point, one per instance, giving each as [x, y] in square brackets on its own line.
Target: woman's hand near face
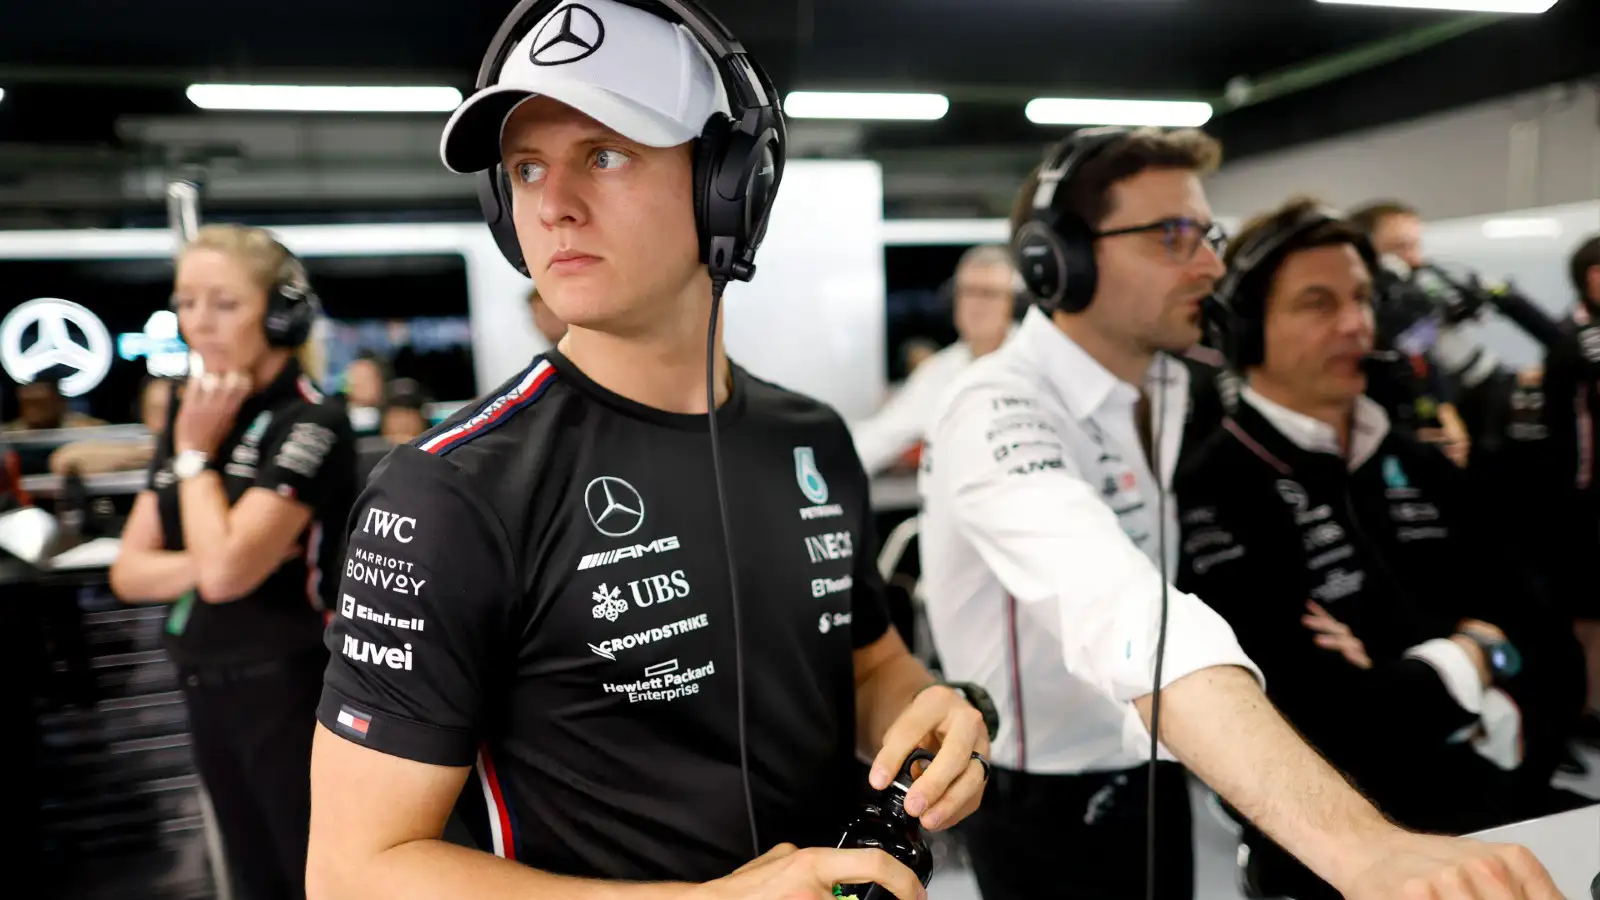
[210, 403]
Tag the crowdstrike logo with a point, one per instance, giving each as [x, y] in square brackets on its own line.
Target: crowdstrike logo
[609, 648]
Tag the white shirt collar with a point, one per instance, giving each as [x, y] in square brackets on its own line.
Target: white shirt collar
[1369, 426]
[1083, 383]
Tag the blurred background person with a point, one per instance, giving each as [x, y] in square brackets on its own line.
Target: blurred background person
[983, 294]
[1571, 409]
[96, 456]
[41, 406]
[362, 397]
[405, 415]
[241, 531]
[1416, 391]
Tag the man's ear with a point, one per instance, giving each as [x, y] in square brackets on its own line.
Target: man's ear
[1593, 280]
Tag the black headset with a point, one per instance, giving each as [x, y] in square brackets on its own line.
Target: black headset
[1236, 312]
[738, 159]
[1055, 248]
[292, 307]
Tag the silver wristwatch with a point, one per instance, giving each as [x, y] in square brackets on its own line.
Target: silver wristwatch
[190, 463]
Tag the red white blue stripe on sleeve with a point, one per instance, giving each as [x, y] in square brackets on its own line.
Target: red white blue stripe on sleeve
[495, 413]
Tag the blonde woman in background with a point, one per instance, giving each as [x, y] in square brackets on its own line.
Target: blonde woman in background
[241, 529]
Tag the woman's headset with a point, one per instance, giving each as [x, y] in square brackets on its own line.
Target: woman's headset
[1055, 248]
[292, 307]
[1236, 311]
[738, 158]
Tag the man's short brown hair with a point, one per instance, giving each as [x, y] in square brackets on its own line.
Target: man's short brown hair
[1368, 216]
[1253, 289]
[1088, 193]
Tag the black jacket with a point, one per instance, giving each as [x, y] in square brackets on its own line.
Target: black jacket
[1392, 550]
[1569, 483]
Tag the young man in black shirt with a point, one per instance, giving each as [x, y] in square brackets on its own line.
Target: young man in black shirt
[1392, 627]
[535, 625]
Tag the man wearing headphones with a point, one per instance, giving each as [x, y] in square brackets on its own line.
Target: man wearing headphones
[1047, 539]
[983, 297]
[1352, 561]
[554, 647]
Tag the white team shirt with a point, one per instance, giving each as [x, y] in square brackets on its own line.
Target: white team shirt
[1039, 537]
[906, 418]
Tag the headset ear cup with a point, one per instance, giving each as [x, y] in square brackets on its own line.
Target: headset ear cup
[1081, 275]
[494, 198]
[710, 152]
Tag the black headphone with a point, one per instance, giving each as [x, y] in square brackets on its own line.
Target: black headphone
[738, 159]
[1235, 313]
[1055, 248]
[292, 307]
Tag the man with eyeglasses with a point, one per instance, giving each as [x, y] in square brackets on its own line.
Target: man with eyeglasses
[1048, 540]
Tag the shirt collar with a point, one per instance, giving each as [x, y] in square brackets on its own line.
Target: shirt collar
[1369, 426]
[1081, 381]
[290, 382]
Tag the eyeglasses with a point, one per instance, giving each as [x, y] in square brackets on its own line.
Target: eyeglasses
[1181, 236]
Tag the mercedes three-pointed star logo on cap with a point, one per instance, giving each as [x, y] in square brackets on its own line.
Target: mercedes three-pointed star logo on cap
[615, 508]
[574, 32]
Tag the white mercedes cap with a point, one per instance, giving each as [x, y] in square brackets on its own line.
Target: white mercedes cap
[646, 78]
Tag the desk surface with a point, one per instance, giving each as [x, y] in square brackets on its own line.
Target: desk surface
[1568, 845]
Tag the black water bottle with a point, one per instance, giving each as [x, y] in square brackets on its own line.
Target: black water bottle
[884, 825]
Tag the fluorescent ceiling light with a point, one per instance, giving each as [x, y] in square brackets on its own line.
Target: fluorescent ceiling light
[826, 105]
[324, 98]
[1168, 113]
[1501, 229]
[1478, 6]
[2, 93]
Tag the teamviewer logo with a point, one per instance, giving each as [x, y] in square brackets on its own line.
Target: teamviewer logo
[347, 607]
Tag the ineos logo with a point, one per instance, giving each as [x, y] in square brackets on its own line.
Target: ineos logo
[572, 33]
[615, 508]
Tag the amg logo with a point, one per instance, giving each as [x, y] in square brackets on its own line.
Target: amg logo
[822, 512]
[634, 551]
[383, 523]
[822, 547]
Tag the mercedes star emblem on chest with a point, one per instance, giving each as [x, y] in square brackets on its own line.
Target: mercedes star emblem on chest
[615, 508]
[573, 33]
[54, 345]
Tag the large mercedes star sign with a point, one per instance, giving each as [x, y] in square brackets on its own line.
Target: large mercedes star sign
[615, 508]
[573, 33]
[53, 344]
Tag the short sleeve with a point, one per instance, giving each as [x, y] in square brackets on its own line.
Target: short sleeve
[418, 629]
[869, 605]
[312, 460]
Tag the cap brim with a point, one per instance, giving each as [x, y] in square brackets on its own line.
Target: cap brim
[471, 139]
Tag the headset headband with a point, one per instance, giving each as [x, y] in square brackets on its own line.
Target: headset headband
[1267, 243]
[1066, 158]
